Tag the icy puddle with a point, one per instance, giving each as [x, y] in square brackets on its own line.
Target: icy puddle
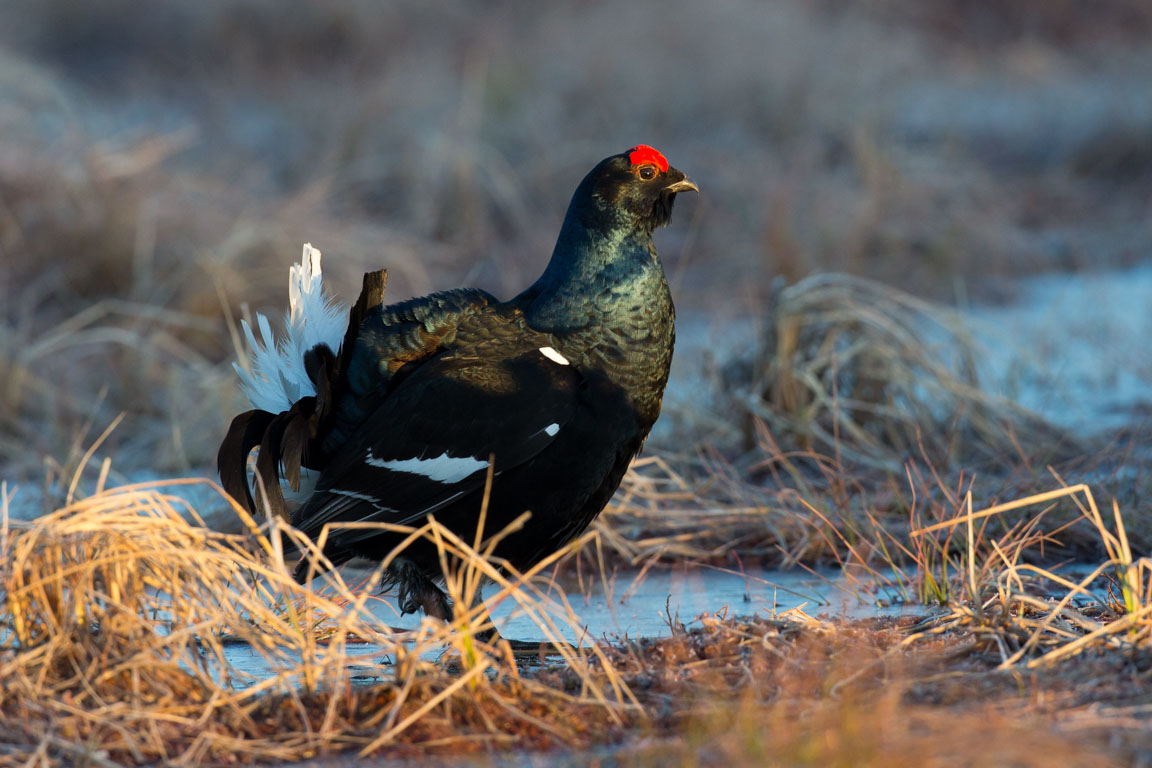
[638, 605]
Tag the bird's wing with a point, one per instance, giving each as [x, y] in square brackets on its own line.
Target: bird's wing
[432, 440]
[392, 342]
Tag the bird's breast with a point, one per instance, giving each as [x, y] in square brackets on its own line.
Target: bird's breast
[633, 350]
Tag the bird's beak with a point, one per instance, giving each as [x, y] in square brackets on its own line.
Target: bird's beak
[684, 185]
[662, 205]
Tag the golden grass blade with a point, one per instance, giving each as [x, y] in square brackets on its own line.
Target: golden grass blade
[1028, 501]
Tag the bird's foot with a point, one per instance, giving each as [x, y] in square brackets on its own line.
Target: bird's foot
[415, 591]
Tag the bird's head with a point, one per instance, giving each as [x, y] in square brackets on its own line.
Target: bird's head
[604, 255]
[633, 190]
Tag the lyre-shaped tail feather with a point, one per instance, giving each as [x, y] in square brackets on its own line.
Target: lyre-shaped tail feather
[293, 383]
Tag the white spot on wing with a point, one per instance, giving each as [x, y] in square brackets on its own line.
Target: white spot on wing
[442, 468]
[552, 429]
[553, 355]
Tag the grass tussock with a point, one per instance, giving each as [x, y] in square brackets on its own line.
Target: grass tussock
[1021, 612]
[118, 616]
[870, 375]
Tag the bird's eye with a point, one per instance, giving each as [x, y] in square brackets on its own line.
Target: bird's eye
[646, 172]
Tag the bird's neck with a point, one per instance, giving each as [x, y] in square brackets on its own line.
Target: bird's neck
[594, 274]
[605, 298]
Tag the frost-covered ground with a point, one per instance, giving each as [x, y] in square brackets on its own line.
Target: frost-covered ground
[1076, 349]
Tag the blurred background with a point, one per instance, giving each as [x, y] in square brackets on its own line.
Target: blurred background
[161, 165]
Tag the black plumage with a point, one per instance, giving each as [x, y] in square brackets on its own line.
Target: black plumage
[557, 388]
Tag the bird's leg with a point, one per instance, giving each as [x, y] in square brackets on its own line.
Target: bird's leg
[415, 591]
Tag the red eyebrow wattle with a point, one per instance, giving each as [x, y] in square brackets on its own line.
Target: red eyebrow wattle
[643, 154]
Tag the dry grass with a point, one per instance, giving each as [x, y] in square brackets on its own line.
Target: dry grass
[777, 692]
[1002, 598]
[118, 615]
[870, 375]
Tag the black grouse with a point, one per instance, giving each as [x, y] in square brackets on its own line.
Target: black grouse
[558, 388]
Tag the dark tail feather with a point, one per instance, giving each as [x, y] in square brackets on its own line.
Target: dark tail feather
[294, 447]
[285, 443]
[245, 433]
[321, 365]
[371, 295]
[282, 438]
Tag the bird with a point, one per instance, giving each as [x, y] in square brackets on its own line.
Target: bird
[437, 405]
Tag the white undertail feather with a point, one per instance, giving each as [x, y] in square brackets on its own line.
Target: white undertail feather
[273, 377]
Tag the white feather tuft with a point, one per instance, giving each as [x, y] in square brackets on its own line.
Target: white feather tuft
[273, 377]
